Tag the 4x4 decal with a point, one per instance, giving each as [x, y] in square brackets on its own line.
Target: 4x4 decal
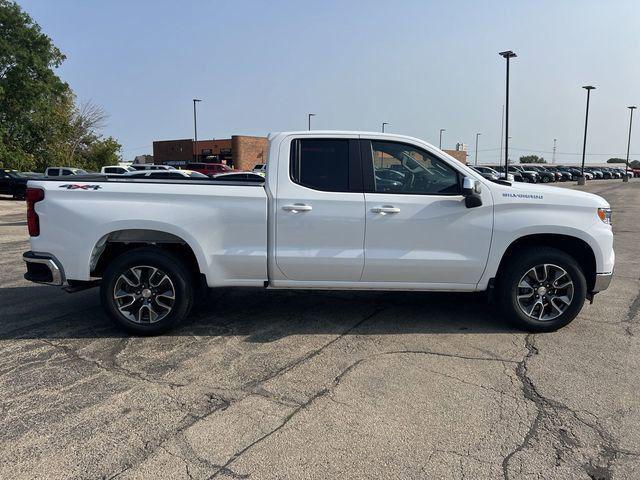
[75, 186]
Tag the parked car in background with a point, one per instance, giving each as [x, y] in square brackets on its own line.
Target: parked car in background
[528, 176]
[63, 171]
[597, 173]
[636, 172]
[488, 173]
[576, 172]
[321, 220]
[116, 170]
[209, 169]
[559, 176]
[150, 166]
[13, 183]
[612, 172]
[166, 174]
[260, 169]
[544, 176]
[564, 175]
[239, 177]
[511, 177]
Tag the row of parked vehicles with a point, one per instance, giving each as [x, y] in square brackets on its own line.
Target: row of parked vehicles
[14, 183]
[551, 173]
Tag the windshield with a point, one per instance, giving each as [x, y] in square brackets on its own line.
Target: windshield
[197, 175]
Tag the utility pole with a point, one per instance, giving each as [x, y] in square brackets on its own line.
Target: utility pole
[507, 55]
[501, 137]
[476, 155]
[553, 158]
[626, 167]
[195, 128]
[588, 88]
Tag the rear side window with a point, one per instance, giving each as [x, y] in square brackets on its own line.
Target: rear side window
[53, 172]
[321, 164]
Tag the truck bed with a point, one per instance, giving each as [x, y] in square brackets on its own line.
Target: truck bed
[223, 223]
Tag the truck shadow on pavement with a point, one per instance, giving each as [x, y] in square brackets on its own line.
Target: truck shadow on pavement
[257, 314]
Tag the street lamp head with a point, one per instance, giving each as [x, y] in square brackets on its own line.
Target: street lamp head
[197, 100]
[632, 107]
[312, 114]
[507, 54]
[589, 87]
[442, 130]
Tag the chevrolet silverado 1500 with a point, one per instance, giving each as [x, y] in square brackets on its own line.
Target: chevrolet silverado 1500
[337, 210]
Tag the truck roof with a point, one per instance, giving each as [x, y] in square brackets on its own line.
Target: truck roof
[390, 136]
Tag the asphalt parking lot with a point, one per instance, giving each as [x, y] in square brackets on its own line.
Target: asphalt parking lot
[267, 384]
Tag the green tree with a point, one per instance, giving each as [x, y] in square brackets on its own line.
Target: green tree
[616, 160]
[532, 159]
[99, 153]
[41, 123]
[33, 100]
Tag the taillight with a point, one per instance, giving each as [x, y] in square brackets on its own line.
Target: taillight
[34, 195]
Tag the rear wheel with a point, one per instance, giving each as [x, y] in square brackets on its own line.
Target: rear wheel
[147, 291]
[542, 289]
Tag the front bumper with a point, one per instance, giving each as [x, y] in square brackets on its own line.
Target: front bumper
[43, 268]
[602, 282]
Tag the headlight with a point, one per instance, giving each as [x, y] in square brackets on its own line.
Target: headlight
[605, 215]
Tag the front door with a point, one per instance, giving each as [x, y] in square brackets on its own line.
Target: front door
[418, 229]
[320, 211]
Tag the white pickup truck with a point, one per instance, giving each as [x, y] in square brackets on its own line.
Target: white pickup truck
[338, 210]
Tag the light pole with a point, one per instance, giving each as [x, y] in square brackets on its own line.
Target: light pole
[588, 88]
[626, 167]
[440, 142]
[309, 115]
[383, 124]
[195, 128]
[508, 54]
[553, 158]
[476, 156]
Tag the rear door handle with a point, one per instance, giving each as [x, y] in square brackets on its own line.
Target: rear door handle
[385, 209]
[297, 207]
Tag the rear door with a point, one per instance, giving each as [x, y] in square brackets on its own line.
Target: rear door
[320, 218]
[418, 229]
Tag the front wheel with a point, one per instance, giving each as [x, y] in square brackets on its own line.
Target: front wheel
[146, 291]
[542, 289]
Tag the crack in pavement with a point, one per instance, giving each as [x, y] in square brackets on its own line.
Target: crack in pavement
[548, 411]
[248, 390]
[632, 313]
[112, 367]
[319, 394]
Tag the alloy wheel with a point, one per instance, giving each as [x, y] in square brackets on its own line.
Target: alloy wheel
[144, 294]
[545, 292]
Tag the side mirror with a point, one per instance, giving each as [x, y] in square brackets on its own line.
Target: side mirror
[471, 191]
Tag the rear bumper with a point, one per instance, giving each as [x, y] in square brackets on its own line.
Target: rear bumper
[43, 268]
[602, 282]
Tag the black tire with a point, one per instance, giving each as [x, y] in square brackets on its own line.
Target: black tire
[545, 180]
[148, 258]
[507, 289]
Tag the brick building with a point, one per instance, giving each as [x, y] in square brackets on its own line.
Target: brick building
[241, 152]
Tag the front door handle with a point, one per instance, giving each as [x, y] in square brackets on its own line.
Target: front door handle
[385, 209]
[297, 207]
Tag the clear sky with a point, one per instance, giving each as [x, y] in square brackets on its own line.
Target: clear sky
[420, 65]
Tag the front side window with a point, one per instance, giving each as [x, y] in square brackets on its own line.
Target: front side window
[402, 168]
[321, 164]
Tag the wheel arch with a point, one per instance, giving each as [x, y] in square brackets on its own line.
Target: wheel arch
[117, 242]
[575, 247]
